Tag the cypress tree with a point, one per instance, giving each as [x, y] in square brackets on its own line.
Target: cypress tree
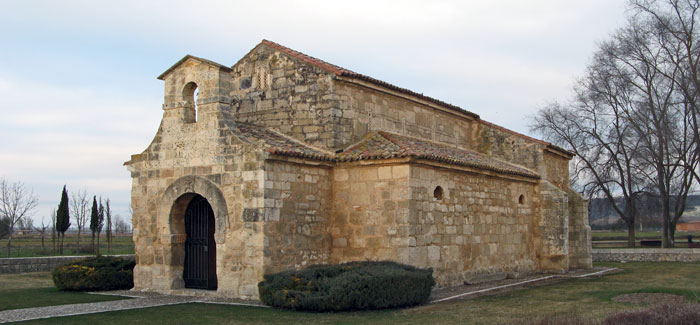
[100, 224]
[108, 216]
[94, 216]
[62, 217]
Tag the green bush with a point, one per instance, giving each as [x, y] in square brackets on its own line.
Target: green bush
[349, 286]
[95, 274]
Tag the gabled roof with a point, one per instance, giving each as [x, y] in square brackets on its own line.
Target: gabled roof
[220, 66]
[339, 71]
[385, 145]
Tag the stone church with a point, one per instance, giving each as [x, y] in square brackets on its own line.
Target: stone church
[282, 161]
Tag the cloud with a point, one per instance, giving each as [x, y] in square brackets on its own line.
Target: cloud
[56, 135]
[78, 93]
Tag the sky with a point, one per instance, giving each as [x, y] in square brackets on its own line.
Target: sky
[79, 94]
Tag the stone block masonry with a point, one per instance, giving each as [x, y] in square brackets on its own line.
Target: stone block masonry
[302, 162]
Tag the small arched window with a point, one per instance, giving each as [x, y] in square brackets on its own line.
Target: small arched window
[189, 96]
[438, 193]
[521, 199]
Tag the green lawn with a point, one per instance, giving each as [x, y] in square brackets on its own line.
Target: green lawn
[30, 245]
[37, 290]
[591, 298]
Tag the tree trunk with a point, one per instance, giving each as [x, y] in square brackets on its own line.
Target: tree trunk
[9, 244]
[60, 246]
[93, 243]
[98, 244]
[665, 215]
[672, 234]
[631, 242]
[64, 234]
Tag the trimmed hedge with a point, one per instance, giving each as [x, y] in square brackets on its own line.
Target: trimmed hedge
[95, 274]
[349, 286]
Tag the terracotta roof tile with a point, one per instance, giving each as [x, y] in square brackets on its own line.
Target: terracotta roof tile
[384, 145]
[277, 143]
[377, 146]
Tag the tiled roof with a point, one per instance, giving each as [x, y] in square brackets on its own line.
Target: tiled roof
[339, 71]
[384, 145]
[376, 146]
[277, 143]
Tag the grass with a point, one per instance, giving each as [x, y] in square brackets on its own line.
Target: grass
[588, 298]
[622, 235]
[30, 245]
[27, 290]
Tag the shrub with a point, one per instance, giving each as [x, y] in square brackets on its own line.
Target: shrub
[349, 286]
[94, 274]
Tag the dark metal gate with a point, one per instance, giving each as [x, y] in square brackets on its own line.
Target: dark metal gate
[200, 247]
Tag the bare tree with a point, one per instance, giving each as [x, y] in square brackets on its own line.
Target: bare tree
[26, 224]
[672, 51]
[597, 134]
[53, 230]
[80, 207]
[636, 107]
[108, 217]
[121, 226]
[16, 203]
[42, 230]
[652, 59]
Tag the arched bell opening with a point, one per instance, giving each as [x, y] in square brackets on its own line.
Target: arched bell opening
[190, 95]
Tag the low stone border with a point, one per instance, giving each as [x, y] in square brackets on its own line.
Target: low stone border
[41, 264]
[646, 255]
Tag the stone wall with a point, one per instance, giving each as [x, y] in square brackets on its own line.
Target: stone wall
[579, 232]
[647, 255]
[297, 215]
[275, 90]
[507, 145]
[370, 218]
[277, 213]
[41, 264]
[198, 157]
[372, 110]
[552, 229]
[389, 212]
[478, 229]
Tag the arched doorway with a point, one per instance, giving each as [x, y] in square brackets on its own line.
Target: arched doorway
[200, 248]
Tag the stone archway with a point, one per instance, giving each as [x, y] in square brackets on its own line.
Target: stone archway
[173, 207]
